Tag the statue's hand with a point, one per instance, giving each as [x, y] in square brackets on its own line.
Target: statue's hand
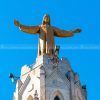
[16, 23]
[78, 30]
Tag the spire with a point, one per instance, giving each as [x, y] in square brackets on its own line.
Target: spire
[36, 95]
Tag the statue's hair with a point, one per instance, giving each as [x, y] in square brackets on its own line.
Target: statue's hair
[43, 22]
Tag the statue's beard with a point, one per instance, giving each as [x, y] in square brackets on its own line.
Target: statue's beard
[46, 23]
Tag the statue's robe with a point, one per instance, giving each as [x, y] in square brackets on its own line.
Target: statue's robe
[46, 36]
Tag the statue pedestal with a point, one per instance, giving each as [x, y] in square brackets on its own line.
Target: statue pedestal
[49, 80]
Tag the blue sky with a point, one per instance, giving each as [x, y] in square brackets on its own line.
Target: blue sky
[65, 14]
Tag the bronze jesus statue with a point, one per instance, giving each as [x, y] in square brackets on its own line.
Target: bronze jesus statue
[46, 34]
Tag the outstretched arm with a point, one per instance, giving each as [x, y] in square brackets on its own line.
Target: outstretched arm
[64, 33]
[27, 29]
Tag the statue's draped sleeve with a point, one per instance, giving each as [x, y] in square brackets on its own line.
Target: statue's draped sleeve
[62, 33]
[29, 29]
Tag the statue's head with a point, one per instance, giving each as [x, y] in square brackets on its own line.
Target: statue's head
[46, 19]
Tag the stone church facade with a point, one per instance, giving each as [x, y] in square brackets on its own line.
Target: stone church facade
[49, 79]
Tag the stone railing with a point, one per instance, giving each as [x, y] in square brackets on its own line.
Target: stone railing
[23, 87]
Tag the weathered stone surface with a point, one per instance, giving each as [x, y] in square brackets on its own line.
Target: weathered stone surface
[49, 80]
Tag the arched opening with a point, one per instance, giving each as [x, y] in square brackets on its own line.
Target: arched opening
[30, 97]
[56, 98]
[56, 95]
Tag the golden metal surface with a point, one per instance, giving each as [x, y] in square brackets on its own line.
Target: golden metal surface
[46, 34]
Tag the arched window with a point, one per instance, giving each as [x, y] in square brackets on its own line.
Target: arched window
[30, 98]
[56, 95]
[56, 98]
